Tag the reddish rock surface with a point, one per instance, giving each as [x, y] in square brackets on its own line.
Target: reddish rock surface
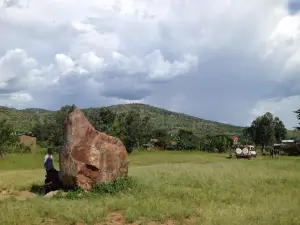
[89, 156]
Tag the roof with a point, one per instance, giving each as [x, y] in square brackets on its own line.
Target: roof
[154, 140]
[288, 141]
[234, 137]
[27, 134]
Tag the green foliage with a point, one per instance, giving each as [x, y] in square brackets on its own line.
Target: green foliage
[222, 143]
[132, 129]
[121, 184]
[162, 136]
[8, 137]
[136, 124]
[77, 193]
[20, 148]
[187, 140]
[173, 122]
[280, 130]
[265, 130]
[298, 117]
[102, 120]
[51, 129]
[26, 120]
[23, 120]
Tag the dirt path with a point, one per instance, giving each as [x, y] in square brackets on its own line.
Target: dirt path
[19, 195]
[118, 218]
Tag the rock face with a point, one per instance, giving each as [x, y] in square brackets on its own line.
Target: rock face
[89, 156]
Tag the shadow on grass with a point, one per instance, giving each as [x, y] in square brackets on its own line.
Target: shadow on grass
[122, 184]
[37, 189]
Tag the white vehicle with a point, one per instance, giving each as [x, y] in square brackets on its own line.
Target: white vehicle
[246, 152]
[252, 150]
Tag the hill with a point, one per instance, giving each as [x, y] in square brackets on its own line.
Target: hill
[293, 134]
[173, 121]
[24, 120]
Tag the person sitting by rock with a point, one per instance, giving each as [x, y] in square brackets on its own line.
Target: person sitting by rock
[52, 175]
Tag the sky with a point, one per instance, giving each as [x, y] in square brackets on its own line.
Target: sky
[223, 60]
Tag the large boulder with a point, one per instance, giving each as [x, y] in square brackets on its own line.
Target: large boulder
[89, 156]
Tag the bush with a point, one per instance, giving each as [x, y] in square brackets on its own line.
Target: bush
[121, 184]
[21, 148]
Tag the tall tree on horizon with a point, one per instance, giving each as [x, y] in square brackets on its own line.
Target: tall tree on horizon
[280, 130]
[266, 130]
[298, 117]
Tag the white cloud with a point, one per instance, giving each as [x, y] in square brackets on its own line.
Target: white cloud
[91, 62]
[65, 63]
[21, 97]
[215, 55]
[16, 99]
[16, 70]
[284, 45]
[161, 69]
[278, 108]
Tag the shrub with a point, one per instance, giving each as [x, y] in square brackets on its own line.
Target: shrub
[118, 185]
[121, 184]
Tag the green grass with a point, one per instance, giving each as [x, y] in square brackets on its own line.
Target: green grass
[168, 185]
[27, 161]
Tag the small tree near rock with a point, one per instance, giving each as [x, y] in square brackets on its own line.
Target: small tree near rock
[8, 137]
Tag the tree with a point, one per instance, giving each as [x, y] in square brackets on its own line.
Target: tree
[102, 119]
[186, 140]
[266, 130]
[207, 144]
[132, 129]
[7, 137]
[298, 117]
[246, 137]
[222, 143]
[162, 136]
[280, 130]
[52, 129]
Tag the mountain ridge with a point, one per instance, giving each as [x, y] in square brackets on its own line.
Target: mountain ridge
[24, 119]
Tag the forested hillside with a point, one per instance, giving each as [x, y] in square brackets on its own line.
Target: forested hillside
[24, 120]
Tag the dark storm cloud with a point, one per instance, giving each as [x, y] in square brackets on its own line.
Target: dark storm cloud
[293, 6]
[219, 90]
[229, 39]
[126, 88]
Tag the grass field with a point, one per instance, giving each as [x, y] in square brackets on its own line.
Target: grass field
[171, 187]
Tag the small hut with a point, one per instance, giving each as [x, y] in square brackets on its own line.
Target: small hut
[28, 139]
[235, 140]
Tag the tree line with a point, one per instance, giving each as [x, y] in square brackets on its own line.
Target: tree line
[135, 130]
[265, 130]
